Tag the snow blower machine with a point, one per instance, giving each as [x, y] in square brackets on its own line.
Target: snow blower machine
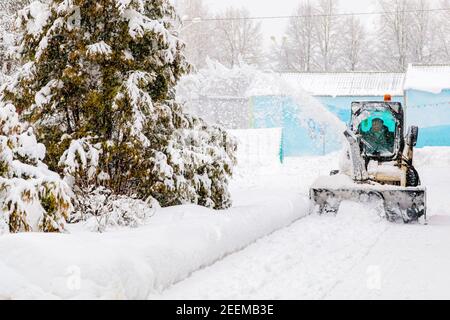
[377, 165]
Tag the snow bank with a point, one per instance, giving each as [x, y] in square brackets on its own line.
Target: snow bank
[432, 156]
[132, 264]
[258, 147]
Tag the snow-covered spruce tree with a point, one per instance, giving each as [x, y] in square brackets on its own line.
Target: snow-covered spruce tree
[97, 85]
[32, 198]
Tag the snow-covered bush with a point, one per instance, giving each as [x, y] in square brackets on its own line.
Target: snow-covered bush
[100, 209]
[32, 198]
[97, 85]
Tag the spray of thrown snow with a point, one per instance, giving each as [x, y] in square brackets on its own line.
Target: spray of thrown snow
[221, 94]
[308, 109]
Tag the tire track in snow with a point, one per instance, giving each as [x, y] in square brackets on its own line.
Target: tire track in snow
[302, 261]
[357, 263]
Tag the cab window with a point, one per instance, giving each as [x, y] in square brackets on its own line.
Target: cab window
[378, 134]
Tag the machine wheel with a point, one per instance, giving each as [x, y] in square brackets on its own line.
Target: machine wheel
[411, 215]
[412, 177]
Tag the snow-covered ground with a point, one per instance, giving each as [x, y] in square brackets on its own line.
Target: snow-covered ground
[131, 263]
[188, 252]
[352, 255]
[134, 263]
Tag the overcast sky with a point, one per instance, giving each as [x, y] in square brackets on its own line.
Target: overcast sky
[282, 8]
[276, 28]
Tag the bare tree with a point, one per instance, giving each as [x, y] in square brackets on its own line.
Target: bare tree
[353, 48]
[198, 35]
[327, 33]
[421, 37]
[316, 39]
[298, 53]
[237, 38]
[277, 56]
[394, 34]
[410, 34]
[441, 29]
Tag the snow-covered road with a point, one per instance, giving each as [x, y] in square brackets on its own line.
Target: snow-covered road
[353, 255]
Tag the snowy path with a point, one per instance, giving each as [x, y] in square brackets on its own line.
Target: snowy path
[407, 263]
[353, 255]
[411, 262]
[305, 260]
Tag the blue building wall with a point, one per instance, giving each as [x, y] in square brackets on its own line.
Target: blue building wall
[299, 138]
[429, 111]
[276, 112]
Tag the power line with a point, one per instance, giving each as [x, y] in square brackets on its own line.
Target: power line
[437, 104]
[316, 15]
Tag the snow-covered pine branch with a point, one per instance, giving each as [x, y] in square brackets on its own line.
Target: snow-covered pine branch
[32, 198]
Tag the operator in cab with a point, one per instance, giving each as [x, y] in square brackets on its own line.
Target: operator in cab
[378, 140]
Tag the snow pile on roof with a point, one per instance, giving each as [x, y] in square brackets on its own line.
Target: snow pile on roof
[348, 83]
[432, 79]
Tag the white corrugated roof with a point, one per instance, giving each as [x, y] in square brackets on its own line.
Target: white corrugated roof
[434, 78]
[348, 83]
